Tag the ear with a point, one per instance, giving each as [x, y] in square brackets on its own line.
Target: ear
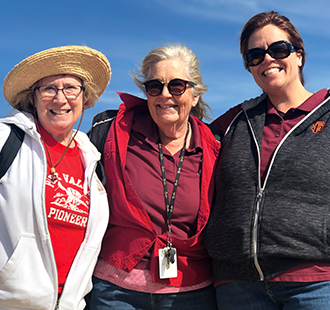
[85, 99]
[299, 58]
[195, 101]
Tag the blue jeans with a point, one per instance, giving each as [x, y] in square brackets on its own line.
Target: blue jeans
[273, 295]
[106, 296]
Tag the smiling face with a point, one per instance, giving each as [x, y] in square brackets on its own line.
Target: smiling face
[58, 115]
[170, 112]
[274, 75]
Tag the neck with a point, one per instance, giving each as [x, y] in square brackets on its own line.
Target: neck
[284, 101]
[174, 142]
[60, 138]
[65, 140]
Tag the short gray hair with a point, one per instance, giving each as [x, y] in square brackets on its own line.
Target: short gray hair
[142, 74]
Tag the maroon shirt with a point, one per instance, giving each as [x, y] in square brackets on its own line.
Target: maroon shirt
[276, 127]
[143, 168]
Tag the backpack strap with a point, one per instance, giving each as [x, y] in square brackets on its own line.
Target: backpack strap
[10, 148]
[98, 134]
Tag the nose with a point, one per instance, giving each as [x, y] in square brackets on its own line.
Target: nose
[268, 57]
[165, 91]
[60, 97]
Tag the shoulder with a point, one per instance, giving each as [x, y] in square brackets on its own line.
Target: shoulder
[23, 121]
[207, 135]
[223, 121]
[84, 142]
[101, 123]
[104, 117]
[4, 133]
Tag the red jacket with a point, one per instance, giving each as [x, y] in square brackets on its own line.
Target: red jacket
[131, 233]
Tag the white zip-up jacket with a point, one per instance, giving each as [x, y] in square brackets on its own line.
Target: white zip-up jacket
[28, 274]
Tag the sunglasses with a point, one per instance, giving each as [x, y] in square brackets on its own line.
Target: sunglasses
[277, 50]
[176, 87]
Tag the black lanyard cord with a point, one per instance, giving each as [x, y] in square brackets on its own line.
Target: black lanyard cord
[170, 206]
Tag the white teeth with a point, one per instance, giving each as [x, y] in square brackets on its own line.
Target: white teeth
[60, 112]
[166, 106]
[271, 71]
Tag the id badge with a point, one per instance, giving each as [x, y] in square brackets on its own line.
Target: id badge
[167, 263]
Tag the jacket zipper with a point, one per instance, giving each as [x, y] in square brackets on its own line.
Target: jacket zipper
[255, 236]
[255, 231]
[57, 306]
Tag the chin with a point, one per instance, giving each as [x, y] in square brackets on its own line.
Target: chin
[169, 121]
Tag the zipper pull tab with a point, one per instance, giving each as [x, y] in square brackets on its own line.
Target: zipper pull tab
[259, 196]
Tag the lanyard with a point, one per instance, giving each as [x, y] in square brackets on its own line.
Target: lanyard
[170, 206]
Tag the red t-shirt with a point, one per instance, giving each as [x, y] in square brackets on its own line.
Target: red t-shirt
[67, 207]
[276, 127]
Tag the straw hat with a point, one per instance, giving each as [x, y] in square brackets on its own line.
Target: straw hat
[86, 63]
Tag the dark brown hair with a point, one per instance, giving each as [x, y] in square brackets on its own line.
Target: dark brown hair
[273, 18]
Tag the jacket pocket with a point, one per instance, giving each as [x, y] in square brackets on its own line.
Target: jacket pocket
[24, 280]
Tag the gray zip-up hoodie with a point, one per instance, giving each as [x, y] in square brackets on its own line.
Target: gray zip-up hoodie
[257, 231]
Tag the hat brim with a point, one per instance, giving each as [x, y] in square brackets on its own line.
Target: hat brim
[86, 63]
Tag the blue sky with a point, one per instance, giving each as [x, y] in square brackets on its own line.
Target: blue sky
[126, 30]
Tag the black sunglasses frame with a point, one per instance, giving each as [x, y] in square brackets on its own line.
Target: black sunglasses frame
[169, 86]
[249, 59]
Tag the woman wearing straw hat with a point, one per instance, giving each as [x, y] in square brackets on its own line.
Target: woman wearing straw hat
[53, 208]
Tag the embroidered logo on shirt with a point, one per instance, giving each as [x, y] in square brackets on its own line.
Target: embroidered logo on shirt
[318, 126]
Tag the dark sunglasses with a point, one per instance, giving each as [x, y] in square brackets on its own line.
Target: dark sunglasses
[277, 50]
[176, 87]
